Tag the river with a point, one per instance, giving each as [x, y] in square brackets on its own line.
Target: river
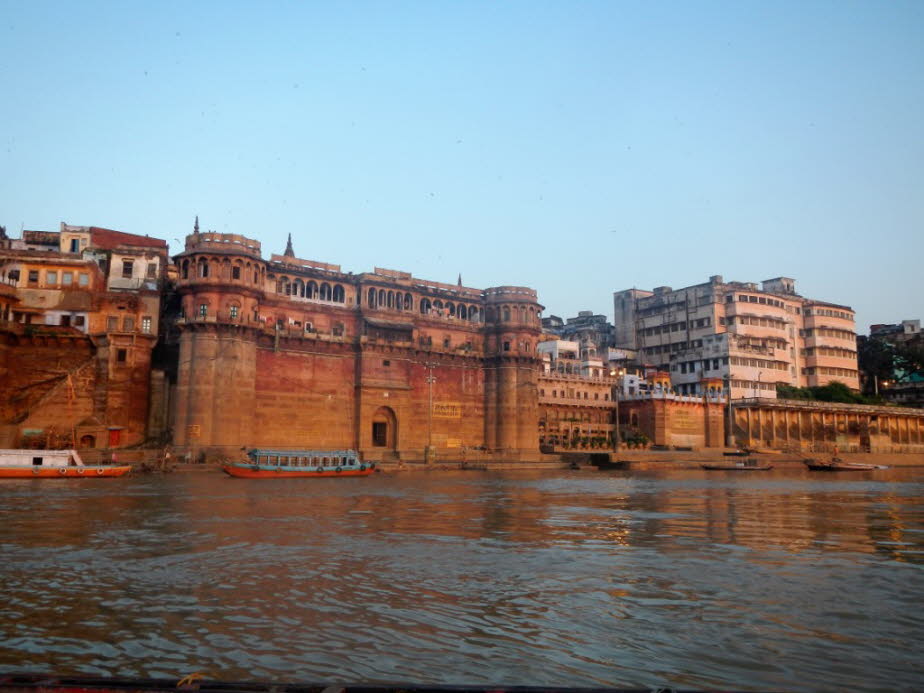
[755, 581]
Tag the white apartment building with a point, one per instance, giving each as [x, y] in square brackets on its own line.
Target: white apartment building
[752, 337]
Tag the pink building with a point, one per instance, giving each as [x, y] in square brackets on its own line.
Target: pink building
[752, 337]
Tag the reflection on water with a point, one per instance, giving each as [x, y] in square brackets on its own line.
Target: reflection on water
[681, 578]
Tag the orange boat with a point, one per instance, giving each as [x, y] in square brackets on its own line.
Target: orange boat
[279, 464]
[53, 464]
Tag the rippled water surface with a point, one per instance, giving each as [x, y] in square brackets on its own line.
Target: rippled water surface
[689, 579]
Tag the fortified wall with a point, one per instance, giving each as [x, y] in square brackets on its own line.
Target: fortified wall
[293, 353]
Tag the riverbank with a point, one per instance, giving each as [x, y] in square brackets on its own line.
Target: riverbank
[635, 459]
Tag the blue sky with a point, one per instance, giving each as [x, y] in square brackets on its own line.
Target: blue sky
[574, 147]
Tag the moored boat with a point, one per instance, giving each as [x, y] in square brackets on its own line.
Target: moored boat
[53, 464]
[836, 464]
[746, 465]
[277, 464]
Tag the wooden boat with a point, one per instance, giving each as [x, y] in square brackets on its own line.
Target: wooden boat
[745, 465]
[836, 464]
[53, 464]
[279, 464]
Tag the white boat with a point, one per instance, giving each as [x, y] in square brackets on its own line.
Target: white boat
[53, 464]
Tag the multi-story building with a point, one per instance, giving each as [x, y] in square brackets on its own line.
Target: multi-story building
[79, 310]
[754, 338]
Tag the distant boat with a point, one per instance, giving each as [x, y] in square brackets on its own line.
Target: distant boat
[836, 464]
[53, 464]
[746, 465]
[279, 464]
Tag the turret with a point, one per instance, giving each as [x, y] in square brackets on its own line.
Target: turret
[512, 330]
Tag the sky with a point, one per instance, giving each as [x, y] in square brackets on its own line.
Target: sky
[578, 148]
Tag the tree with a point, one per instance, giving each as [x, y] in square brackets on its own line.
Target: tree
[908, 360]
[876, 359]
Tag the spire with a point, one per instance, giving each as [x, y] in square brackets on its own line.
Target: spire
[460, 279]
[196, 225]
[289, 252]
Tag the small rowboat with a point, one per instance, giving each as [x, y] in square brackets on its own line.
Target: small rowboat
[53, 464]
[283, 464]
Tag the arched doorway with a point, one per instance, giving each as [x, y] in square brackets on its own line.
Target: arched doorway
[384, 429]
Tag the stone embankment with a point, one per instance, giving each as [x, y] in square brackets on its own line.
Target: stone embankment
[637, 459]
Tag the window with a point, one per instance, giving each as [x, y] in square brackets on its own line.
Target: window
[233, 311]
[121, 355]
[386, 363]
[112, 323]
[506, 346]
[203, 310]
[51, 278]
[128, 324]
[33, 276]
[127, 267]
[83, 279]
[146, 324]
[235, 273]
[75, 245]
[79, 320]
[152, 270]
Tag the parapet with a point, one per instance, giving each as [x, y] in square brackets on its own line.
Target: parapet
[503, 294]
[223, 243]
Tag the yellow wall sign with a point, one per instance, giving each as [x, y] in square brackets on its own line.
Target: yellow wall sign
[193, 431]
[447, 410]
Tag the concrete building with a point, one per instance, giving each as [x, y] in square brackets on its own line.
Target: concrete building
[752, 337]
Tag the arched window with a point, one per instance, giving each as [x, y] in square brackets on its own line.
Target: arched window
[382, 300]
[399, 301]
[489, 313]
[425, 306]
[408, 302]
[185, 269]
[298, 289]
[325, 291]
[473, 314]
[203, 268]
[338, 329]
[522, 314]
[311, 290]
[506, 314]
[372, 298]
[339, 295]
[391, 299]
[451, 309]
[438, 306]
[462, 312]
